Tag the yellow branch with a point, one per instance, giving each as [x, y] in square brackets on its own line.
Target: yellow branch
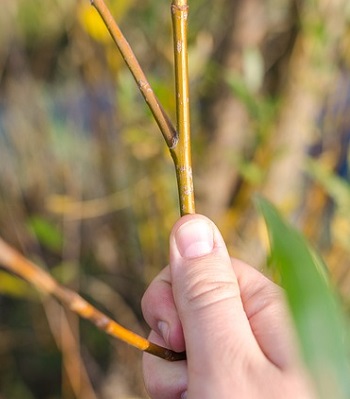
[181, 153]
[43, 281]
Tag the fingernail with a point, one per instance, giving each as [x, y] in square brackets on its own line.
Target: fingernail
[194, 239]
[163, 328]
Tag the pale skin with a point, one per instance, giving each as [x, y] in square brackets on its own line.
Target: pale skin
[231, 320]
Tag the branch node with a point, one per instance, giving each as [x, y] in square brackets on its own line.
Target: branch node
[175, 141]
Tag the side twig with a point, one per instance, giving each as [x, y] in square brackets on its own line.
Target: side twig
[169, 133]
[16, 263]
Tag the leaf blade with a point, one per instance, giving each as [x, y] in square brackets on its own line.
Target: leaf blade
[316, 312]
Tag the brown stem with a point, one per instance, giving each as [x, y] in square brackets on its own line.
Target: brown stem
[16, 263]
[163, 121]
[181, 153]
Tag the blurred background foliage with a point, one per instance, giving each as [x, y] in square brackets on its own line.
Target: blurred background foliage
[87, 187]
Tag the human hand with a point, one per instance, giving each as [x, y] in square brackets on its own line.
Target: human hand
[231, 320]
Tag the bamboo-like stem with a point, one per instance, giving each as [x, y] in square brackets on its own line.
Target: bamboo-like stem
[44, 282]
[169, 133]
[181, 153]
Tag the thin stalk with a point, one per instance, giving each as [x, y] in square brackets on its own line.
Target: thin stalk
[44, 282]
[181, 153]
[169, 133]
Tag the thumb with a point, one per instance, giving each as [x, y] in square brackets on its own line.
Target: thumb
[207, 297]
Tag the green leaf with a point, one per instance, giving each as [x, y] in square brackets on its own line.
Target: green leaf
[46, 232]
[318, 318]
[14, 287]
